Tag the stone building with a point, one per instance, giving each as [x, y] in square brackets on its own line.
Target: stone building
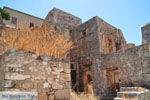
[100, 63]
[62, 21]
[93, 37]
[18, 17]
[126, 68]
[146, 33]
[102, 57]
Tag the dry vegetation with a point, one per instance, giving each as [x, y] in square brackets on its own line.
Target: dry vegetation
[41, 40]
[82, 96]
[131, 99]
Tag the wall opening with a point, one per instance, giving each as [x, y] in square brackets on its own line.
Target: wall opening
[84, 33]
[110, 45]
[87, 81]
[74, 77]
[113, 82]
[118, 46]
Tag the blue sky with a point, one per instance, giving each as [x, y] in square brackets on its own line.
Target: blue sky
[127, 15]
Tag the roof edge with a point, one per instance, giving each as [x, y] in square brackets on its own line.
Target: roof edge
[4, 7]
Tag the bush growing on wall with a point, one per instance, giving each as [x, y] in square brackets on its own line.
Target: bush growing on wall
[5, 15]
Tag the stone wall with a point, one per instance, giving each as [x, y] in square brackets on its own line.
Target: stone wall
[62, 21]
[111, 39]
[93, 37]
[128, 67]
[25, 72]
[1, 20]
[130, 45]
[22, 18]
[96, 36]
[146, 33]
[57, 16]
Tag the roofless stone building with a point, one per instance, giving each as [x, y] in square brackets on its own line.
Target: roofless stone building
[101, 58]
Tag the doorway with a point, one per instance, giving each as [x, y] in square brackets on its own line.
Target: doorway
[113, 82]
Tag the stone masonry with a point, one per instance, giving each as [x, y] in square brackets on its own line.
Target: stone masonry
[62, 21]
[25, 72]
[127, 68]
[100, 62]
[133, 93]
[146, 33]
[1, 20]
[93, 37]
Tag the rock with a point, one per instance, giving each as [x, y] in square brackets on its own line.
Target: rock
[7, 83]
[63, 94]
[16, 76]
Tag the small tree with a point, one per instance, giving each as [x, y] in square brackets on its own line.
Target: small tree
[5, 15]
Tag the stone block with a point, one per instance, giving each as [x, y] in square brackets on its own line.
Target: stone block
[67, 70]
[56, 85]
[42, 96]
[63, 94]
[65, 77]
[7, 83]
[129, 94]
[16, 76]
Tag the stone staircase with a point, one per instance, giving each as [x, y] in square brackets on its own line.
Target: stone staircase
[111, 95]
[133, 93]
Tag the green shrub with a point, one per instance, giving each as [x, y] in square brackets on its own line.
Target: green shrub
[5, 15]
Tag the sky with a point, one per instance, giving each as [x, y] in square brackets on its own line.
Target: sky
[127, 15]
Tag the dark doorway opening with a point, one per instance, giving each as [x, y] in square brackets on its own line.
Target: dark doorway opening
[74, 77]
[113, 82]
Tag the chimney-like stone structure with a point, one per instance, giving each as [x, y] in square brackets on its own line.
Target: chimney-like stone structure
[146, 33]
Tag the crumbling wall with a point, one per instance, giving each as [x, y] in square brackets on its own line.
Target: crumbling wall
[129, 67]
[58, 16]
[86, 42]
[62, 21]
[94, 37]
[23, 71]
[111, 39]
[146, 33]
[130, 45]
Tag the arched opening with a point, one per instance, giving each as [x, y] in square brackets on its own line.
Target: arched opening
[87, 82]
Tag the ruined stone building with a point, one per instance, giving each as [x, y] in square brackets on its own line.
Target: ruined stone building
[101, 58]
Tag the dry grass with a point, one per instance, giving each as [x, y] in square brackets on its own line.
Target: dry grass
[82, 96]
[131, 99]
[41, 40]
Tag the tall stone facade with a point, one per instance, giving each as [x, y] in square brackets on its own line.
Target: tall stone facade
[26, 72]
[127, 68]
[146, 33]
[93, 37]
